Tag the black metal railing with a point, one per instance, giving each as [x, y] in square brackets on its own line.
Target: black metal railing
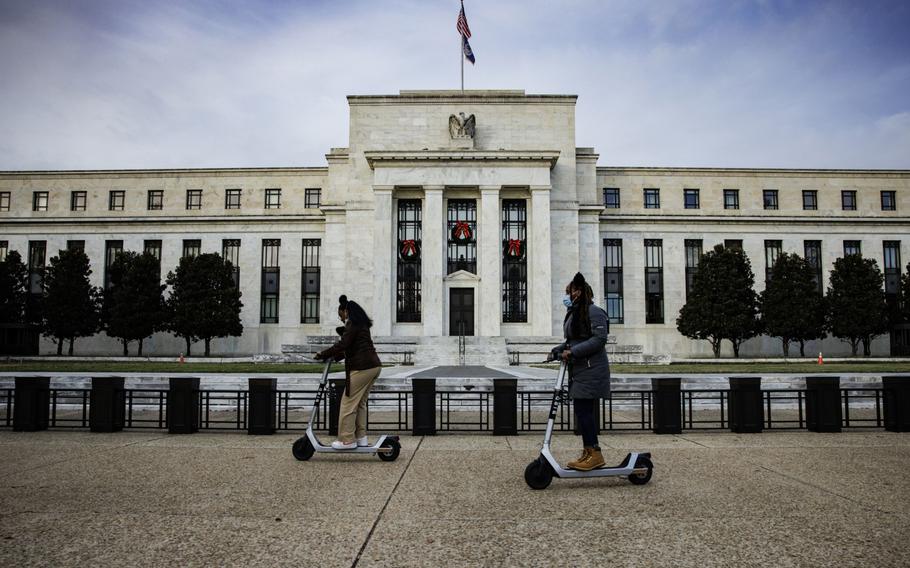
[457, 409]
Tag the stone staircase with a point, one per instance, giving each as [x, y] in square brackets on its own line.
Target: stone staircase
[478, 351]
[534, 349]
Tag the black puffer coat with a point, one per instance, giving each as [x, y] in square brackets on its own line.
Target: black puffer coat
[589, 369]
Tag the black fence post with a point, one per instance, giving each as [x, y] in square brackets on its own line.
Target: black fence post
[183, 401]
[505, 411]
[667, 405]
[107, 405]
[823, 404]
[31, 407]
[424, 407]
[897, 403]
[262, 410]
[746, 412]
[336, 391]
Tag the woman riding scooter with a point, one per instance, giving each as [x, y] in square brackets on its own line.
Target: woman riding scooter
[586, 327]
[361, 366]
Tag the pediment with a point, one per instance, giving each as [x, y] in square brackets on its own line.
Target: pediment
[462, 276]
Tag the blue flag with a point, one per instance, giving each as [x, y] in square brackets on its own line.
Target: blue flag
[466, 48]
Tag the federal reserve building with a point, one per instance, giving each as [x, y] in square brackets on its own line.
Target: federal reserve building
[453, 214]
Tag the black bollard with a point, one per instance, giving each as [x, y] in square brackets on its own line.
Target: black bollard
[746, 412]
[897, 403]
[505, 413]
[263, 394]
[823, 404]
[31, 405]
[107, 408]
[336, 391]
[667, 415]
[424, 407]
[183, 402]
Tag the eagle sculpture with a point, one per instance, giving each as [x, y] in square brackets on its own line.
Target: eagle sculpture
[461, 127]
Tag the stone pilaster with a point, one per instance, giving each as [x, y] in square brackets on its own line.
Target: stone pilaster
[433, 256]
[384, 268]
[489, 262]
[540, 288]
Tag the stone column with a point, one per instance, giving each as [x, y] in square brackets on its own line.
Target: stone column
[540, 296]
[489, 262]
[432, 259]
[384, 268]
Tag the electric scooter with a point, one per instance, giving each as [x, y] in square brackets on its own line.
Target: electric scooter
[636, 466]
[386, 447]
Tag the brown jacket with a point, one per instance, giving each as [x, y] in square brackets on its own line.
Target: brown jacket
[356, 347]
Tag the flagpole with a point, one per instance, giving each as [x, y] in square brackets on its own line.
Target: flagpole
[461, 56]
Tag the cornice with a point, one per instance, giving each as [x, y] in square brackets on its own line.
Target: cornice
[751, 172]
[390, 158]
[197, 172]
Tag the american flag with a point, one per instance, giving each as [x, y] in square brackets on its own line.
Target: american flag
[462, 25]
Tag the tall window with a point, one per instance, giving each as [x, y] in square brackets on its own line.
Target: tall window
[853, 247]
[309, 303]
[889, 201]
[654, 281]
[39, 201]
[691, 199]
[312, 197]
[772, 253]
[848, 200]
[613, 280]
[273, 199]
[4, 201]
[232, 199]
[153, 247]
[230, 251]
[271, 281]
[892, 264]
[77, 200]
[813, 255]
[693, 255]
[652, 198]
[115, 200]
[111, 250]
[191, 248]
[462, 229]
[75, 245]
[769, 198]
[810, 199]
[514, 260]
[409, 242]
[733, 244]
[731, 199]
[4, 250]
[155, 200]
[611, 197]
[193, 199]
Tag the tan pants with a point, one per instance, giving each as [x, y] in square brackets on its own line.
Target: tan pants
[352, 418]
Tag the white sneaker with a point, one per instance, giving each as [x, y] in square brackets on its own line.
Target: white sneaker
[363, 442]
[339, 445]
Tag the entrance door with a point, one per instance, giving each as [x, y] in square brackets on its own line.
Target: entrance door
[461, 311]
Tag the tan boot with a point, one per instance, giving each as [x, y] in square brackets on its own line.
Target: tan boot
[593, 460]
[579, 463]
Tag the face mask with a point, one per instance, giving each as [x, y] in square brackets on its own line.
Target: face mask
[567, 300]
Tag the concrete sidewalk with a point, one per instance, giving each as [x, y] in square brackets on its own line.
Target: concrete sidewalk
[152, 499]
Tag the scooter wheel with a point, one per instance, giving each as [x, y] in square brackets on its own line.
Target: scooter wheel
[303, 449]
[391, 454]
[642, 478]
[539, 474]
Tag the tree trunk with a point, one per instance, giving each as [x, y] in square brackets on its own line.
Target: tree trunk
[786, 344]
[715, 346]
[59, 346]
[126, 348]
[867, 346]
[802, 348]
[854, 343]
[140, 347]
[187, 346]
[735, 348]
[208, 345]
[70, 352]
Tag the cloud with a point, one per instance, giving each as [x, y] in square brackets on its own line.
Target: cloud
[131, 84]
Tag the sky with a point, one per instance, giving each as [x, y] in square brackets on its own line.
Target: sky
[135, 84]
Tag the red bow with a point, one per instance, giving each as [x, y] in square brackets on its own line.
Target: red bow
[408, 247]
[462, 230]
[514, 247]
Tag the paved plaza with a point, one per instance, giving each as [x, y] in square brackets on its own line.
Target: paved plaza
[716, 499]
